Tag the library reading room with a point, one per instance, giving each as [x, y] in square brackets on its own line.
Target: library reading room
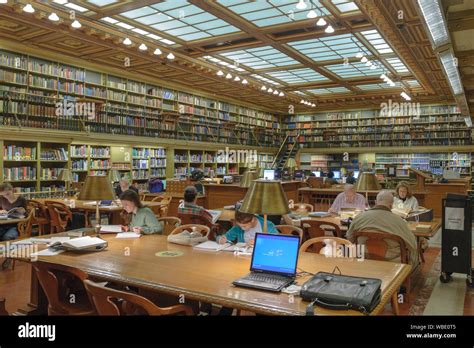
[236, 158]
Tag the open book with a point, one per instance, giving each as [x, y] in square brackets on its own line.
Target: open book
[15, 213]
[214, 246]
[215, 215]
[86, 243]
[403, 212]
[111, 229]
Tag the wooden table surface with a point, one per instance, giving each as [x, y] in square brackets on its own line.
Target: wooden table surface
[81, 205]
[207, 276]
[11, 221]
[228, 215]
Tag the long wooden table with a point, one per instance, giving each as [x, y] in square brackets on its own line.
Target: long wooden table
[207, 276]
[11, 221]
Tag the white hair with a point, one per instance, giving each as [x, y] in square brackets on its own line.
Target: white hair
[347, 187]
[384, 197]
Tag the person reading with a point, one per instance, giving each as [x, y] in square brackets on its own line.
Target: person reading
[404, 198]
[190, 207]
[139, 219]
[9, 201]
[348, 199]
[123, 186]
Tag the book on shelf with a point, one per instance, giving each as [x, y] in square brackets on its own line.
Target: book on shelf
[19, 153]
[19, 174]
[54, 154]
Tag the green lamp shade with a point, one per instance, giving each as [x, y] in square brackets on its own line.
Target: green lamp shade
[265, 197]
[97, 188]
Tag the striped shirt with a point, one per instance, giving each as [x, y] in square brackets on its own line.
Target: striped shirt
[341, 202]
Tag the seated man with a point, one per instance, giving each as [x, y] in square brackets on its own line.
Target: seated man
[348, 199]
[190, 206]
[381, 219]
[124, 186]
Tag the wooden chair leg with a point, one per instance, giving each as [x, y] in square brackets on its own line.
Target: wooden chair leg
[395, 309]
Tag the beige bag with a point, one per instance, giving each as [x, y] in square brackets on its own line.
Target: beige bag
[189, 234]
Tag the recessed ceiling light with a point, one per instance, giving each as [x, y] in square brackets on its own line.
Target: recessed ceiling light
[263, 88]
[359, 55]
[301, 5]
[244, 81]
[312, 14]
[157, 52]
[76, 24]
[321, 22]
[329, 29]
[60, 2]
[142, 47]
[275, 92]
[281, 94]
[127, 41]
[220, 73]
[237, 78]
[302, 101]
[28, 8]
[270, 90]
[313, 105]
[228, 76]
[364, 60]
[53, 17]
[170, 56]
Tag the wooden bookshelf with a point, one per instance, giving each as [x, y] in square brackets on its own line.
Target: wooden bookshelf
[435, 126]
[30, 87]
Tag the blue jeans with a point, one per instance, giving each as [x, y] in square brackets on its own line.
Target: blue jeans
[8, 233]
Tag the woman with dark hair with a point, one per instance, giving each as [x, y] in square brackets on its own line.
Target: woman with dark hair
[246, 226]
[9, 201]
[139, 218]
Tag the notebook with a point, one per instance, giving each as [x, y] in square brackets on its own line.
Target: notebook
[111, 229]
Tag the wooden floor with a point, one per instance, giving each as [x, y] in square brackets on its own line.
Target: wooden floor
[15, 285]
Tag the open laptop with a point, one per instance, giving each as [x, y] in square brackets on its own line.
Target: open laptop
[274, 261]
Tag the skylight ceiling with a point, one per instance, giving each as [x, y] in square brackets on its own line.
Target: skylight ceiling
[333, 90]
[352, 70]
[260, 58]
[101, 3]
[264, 13]
[180, 19]
[376, 40]
[345, 6]
[297, 76]
[378, 86]
[330, 48]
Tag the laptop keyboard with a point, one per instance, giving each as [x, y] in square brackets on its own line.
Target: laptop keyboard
[267, 278]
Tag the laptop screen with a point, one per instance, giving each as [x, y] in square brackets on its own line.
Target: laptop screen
[275, 253]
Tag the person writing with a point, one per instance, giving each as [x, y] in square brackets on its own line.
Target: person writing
[348, 199]
[246, 226]
[140, 219]
[404, 197]
[123, 186]
[9, 201]
[381, 219]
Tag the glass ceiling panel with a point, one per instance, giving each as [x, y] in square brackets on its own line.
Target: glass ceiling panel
[377, 41]
[263, 13]
[265, 79]
[345, 6]
[180, 19]
[397, 65]
[355, 69]
[329, 90]
[297, 76]
[376, 86]
[101, 3]
[328, 48]
[260, 57]
[413, 83]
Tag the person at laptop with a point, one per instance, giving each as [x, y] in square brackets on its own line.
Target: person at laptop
[190, 206]
[404, 197]
[381, 219]
[246, 226]
[139, 218]
[348, 199]
[123, 186]
[329, 181]
[350, 178]
[9, 201]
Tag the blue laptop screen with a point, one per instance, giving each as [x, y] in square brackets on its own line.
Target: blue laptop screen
[275, 253]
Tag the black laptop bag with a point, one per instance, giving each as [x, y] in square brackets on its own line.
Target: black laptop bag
[335, 291]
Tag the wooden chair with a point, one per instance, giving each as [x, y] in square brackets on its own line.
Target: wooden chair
[204, 230]
[41, 215]
[165, 201]
[302, 207]
[376, 248]
[291, 230]
[115, 302]
[315, 182]
[190, 219]
[169, 224]
[3, 310]
[310, 244]
[54, 284]
[60, 215]
[316, 228]
[24, 229]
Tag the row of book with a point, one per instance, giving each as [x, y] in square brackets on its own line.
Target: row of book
[54, 154]
[79, 165]
[13, 77]
[78, 150]
[157, 173]
[19, 173]
[50, 173]
[157, 162]
[100, 151]
[42, 82]
[17, 153]
[140, 174]
[18, 62]
[140, 164]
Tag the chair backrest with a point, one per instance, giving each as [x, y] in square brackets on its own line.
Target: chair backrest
[194, 219]
[41, 211]
[315, 244]
[204, 230]
[317, 228]
[302, 207]
[51, 285]
[169, 224]
[3, 310]
[109, 301]
[376, 245]
[59, 214]
[165, 203]
[315, 182]
[291, 230]
[24, 228]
